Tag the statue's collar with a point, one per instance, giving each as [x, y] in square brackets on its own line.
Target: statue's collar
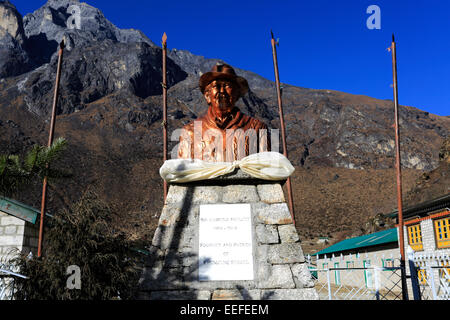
[223, 123]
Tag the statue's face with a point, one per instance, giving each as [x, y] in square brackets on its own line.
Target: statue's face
[221, 95]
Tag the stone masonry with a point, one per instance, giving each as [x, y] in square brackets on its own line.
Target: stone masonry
[16, 234]
[280, 271]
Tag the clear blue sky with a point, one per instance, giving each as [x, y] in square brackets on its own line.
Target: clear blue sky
[324, 44]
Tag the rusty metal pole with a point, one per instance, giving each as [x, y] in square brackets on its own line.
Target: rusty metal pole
[50, 141]
[164, 86]
[399, 173]
[283, 130]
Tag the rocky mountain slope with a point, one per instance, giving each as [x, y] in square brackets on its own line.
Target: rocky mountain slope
[110, 111]
[433, 182]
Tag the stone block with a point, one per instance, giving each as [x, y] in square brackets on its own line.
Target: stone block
[302, 276]
[10, 229]
[151, 271]
[163, 237]
[176, 194]
[240, 194]
[183, 257]
[185, 238]
[207, 194]
[20, 230]
[271, 193]
[9, 220]
[170, 214]
[203, 295]
[288, 233]
[285, 253]
[290, 294]
[262, 253]
[274, 276]
[227, 294]
[267, 234]
[252, 294]
[277, 213]
[163, 279]
[156, 254]
[11, 240]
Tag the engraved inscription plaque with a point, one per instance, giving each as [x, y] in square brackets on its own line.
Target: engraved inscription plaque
[225, 242]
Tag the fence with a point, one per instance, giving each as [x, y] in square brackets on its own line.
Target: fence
[8, 277]
[7, 281]
[369, 283]
[428, 279]
[433, 275]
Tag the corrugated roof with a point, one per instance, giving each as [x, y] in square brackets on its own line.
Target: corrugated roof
[368, 240]
[18, 209]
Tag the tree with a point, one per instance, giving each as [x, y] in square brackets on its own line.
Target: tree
[17, 174]
[81, 237]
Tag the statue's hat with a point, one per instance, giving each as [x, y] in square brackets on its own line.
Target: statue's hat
[223, 71]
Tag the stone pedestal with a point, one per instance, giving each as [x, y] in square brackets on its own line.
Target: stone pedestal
[280, 271]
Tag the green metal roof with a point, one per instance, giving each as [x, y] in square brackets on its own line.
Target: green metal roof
[368, 240]
[19, 210]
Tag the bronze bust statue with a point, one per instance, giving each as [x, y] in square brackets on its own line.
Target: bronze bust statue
[224, 133]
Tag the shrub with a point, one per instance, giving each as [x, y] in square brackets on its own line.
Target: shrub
[81, 236]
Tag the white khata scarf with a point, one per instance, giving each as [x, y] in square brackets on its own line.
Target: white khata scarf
[263, 165]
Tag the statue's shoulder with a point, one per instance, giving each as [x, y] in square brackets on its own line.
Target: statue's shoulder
[189, 127]
[256, 123]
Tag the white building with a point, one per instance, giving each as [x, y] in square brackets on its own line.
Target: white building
[371, 261]
[19, 228]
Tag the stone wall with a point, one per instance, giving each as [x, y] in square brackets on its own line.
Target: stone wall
[430, 253]
[428, 238]
[280, 271]
[17, 234]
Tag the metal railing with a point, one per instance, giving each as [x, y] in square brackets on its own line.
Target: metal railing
[7, 281]
[428, 279]
[369, 283]
[8, 275]
[433, 275]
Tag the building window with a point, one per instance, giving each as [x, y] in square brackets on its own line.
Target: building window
[415, 237]
[388, 263]
[350, 264]
[444, 273]
[422, 275]
[441, 228]
[337, 275]
[368, 274]
[325, 266]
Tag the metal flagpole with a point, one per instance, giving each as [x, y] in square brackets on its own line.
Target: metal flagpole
[283, 132]
[50, 141]
[164, 86]
[399, 173]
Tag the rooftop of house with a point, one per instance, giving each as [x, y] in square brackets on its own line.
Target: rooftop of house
[368, 240]
[424, 208]
[19, 210]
